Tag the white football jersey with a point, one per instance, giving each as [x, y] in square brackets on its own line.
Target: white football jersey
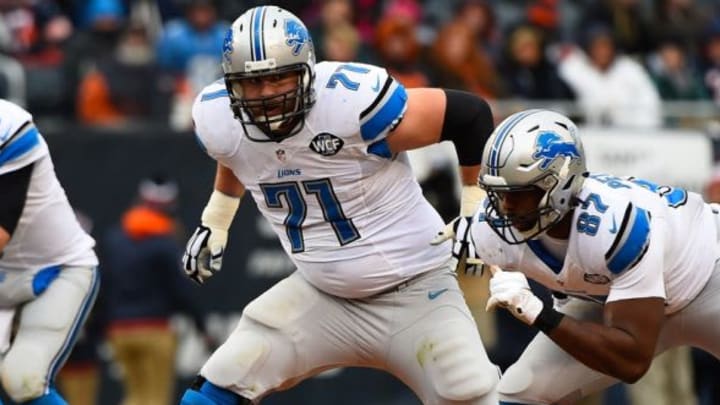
[48, 233]
[348, 212]
[629, 238]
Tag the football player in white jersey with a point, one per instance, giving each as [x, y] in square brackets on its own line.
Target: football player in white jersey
[48, 269]
[321, 149]
[633, 264]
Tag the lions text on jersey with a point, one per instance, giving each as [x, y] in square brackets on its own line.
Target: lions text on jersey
[629, 238]
[347, 211]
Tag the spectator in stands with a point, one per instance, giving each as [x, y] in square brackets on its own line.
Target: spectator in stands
[125, 86]
[145, 286]
[682, 20]
[479, 17]
[711, 60]
[545, 15]
[106, 21]
[611, 89]
[398, 49]
[199, 35]
[674, 74]
[37, 32]
[12, 75]
[190, 49]
[527, 72]
[333, 13]
[626, 22]
[460, 63]
[342, 43]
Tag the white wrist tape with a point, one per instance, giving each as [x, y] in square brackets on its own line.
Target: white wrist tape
[470, 199]
[220, 211]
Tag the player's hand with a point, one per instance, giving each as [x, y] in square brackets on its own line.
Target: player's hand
[458, 230]
[510, 289]
[204, 253]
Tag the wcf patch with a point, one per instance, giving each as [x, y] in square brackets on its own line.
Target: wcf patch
[326, 144]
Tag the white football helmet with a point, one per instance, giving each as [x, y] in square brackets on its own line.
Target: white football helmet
[264, 41]
[533, 149]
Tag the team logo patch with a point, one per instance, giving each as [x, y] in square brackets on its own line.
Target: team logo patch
[296, 36]
[594, 278]
[227, 48]
[550, 146]
[280, 154]
[326, 144]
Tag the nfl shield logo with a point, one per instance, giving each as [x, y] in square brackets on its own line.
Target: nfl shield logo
[280, 155]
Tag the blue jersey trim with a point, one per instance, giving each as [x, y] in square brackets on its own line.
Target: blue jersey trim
[635, 244]
[380, 148]
[543, 254]
[20, 146]
[215, 94]
[388, 113]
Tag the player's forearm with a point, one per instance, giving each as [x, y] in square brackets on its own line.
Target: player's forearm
[469, 175]
[609, 350]
[227, 183]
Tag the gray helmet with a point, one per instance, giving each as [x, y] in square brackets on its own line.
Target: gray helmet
[532, 149]
[263, 41]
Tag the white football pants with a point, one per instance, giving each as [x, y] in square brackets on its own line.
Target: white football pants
[421, 332]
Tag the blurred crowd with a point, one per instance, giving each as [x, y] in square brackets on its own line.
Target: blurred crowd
[108, 62]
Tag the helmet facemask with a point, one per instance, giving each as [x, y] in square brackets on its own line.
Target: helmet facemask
[519, 228]
[293, 104]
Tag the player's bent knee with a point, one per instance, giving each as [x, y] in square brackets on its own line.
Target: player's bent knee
[22, 376]
[515, 385]
[460, 371]
[234, 359]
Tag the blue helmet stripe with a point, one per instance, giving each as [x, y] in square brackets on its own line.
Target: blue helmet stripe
[251, 36]
[257, 30]
[494, 162]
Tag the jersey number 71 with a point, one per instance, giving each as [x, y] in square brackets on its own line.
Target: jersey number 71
[322, 189]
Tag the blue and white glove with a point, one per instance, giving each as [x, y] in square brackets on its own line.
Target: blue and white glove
[204, 251]
[510, 290]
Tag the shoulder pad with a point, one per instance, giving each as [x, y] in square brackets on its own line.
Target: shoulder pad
[214, 122]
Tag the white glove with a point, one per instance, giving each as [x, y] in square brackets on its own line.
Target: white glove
[204, 253]
[463, 249]
[510, 289]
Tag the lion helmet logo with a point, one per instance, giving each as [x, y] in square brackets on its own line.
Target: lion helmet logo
[227, 48]
[550, 146]
[296, 35]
